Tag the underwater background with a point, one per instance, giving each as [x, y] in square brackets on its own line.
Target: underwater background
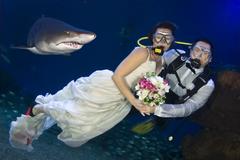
[118, 25]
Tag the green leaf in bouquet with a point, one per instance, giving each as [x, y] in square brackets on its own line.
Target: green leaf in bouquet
[150, 74]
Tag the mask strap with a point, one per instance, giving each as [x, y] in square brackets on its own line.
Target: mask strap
[139, 42]
[144, 46]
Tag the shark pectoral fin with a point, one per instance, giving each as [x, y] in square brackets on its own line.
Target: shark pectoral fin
[32, 49]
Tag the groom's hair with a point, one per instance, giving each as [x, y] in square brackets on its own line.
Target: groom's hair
[203, 39]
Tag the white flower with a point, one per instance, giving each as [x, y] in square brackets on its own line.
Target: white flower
[144, 94]
[159, 79]
[151, 95]
[161, 92]
[162, 102]
[137, 87]
[153, 80]
[152, 104]
[167, 87]
[155, 96]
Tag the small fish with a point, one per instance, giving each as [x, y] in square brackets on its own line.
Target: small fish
[10, 103]
[5, 58]
[11, 93]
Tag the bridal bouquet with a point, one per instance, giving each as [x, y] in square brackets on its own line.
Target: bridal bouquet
[151, 89]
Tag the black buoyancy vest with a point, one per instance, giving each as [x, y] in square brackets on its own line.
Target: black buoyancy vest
[198, 82]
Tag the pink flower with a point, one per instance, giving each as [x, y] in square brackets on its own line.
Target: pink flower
[146, 84]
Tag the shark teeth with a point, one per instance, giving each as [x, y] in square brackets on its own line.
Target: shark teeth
[72, 44]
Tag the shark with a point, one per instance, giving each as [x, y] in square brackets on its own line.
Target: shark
[49, 36]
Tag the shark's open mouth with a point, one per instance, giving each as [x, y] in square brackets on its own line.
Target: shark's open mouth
[72, 44]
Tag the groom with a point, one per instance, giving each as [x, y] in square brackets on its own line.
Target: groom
[189, 80]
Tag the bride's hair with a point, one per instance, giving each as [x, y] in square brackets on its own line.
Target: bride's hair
[166, 24]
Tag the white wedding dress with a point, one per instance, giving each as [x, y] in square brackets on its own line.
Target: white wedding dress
[83, 109]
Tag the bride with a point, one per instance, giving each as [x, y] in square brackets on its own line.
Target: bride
[91, 105]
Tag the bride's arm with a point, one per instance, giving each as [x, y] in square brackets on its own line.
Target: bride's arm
[130, 63]
[159, 66]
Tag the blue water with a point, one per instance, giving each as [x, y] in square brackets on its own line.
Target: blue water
[118, 25]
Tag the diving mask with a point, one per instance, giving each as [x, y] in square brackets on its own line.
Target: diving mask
[199, 51]
[163, 37]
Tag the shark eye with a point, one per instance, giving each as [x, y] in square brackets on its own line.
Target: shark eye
[67, 32]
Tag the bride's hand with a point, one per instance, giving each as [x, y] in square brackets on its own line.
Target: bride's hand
[140, 107]
[149, 109]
